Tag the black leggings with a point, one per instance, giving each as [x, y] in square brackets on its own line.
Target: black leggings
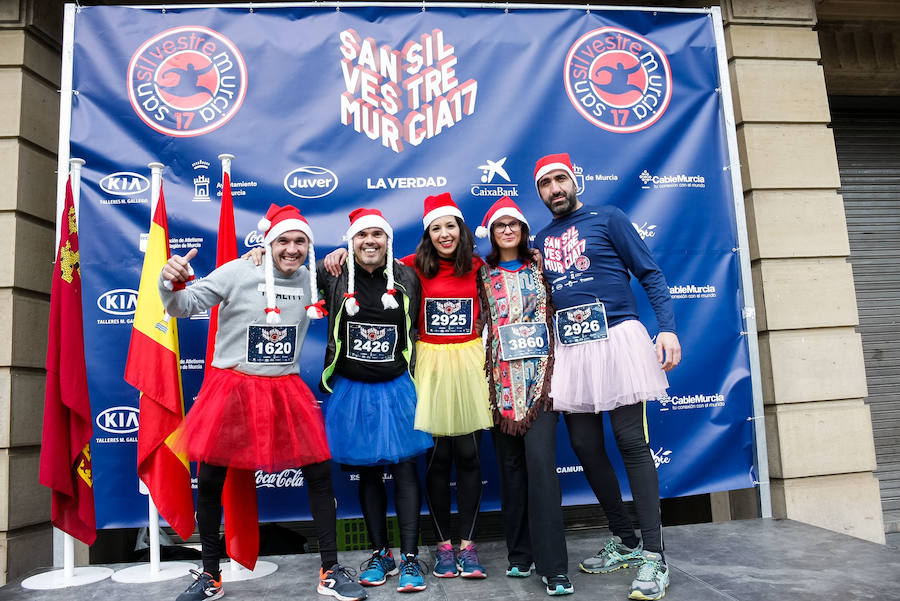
[407, 499]
[211, 481]
[465, 452]
[586, 436]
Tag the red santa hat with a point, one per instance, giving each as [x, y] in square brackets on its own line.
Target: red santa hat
[440, 205]
[505, 207]
[550, 162]
[362, 219]
[277, 221]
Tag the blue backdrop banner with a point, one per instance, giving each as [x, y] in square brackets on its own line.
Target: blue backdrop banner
[336, 108]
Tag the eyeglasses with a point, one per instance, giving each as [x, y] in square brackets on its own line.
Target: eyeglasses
[513, 226]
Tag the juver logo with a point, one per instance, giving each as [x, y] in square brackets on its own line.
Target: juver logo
[310, 181]
[187, 81]
[618, 80]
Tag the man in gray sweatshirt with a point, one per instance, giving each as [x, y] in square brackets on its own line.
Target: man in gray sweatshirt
[253, 410]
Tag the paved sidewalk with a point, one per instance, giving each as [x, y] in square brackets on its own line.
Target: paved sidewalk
[751, 560]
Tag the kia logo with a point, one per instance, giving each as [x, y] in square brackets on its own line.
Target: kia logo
[121, 301]
[118, 420]
[310, 182]
[124, 183]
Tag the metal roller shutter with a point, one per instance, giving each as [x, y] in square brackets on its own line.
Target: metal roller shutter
[867, 137]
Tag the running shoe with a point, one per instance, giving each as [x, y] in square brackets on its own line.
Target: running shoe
[203, 588]
[652, 578]
[558, 585]
[469, 566]
[375, 569]
[337, 582]
[519, 570]
[411, 579]
[445, 565]
[611, 557]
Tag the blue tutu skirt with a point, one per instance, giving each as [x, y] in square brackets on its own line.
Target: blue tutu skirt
[371, 423]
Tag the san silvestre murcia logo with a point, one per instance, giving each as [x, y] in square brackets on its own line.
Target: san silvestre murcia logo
[618, 80]
[401, 98]
[187, 81]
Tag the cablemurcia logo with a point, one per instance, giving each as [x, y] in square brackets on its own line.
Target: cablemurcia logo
[618, 80]
[187, 81]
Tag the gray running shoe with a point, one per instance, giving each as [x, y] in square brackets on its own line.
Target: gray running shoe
[652, 578]
[611, 557]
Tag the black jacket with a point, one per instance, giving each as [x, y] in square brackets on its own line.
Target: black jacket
[332, 288]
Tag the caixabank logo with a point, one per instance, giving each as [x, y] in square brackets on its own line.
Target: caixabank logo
[187, 81]
[618, 80]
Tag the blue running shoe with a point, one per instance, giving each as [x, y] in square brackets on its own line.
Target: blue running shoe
[469, 567]
[411, 580]
[445, 565]
[375, 569]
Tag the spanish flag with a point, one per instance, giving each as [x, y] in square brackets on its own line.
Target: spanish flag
[65, 447]
[153, 367]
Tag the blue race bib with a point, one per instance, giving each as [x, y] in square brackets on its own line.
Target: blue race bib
[274, 345]
[581, 324]
[521, 340]
[448, 316]
[373, 343]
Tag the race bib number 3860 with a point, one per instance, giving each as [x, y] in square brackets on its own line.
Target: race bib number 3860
[581, 324]
[271, 344]
[521, 340]
[448, 316]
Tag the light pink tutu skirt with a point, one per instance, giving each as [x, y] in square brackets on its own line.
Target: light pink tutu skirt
[605, 374]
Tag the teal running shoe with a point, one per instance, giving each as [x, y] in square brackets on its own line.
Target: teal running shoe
[519, 570]
[652, 578]
[411, 579]
[375, 570]
[611, 557]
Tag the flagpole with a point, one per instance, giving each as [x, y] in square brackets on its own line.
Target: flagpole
[156, 571]
[263, 568]
[69, 575]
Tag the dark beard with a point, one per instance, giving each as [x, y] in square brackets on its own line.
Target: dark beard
[563, 209]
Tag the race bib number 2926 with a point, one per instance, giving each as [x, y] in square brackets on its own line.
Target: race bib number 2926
[581, 324]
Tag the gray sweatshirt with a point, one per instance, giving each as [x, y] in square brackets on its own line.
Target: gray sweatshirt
[244, 342]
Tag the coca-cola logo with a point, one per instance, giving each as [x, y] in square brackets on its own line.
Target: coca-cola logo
[254, 238]
[289, 478]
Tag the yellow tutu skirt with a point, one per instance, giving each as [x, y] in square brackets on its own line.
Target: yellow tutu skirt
[451, 388]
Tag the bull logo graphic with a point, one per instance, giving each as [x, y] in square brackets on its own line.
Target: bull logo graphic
[579, 315]
[373, 333]
[274, 334]
[449, 307]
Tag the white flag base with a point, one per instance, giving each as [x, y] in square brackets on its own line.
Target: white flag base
[168, 570]
[55, 579]
[233, 571]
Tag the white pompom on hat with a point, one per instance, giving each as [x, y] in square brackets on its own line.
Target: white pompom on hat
[277, 221]
[440, 205]
[361, 219]
[505, 207]
[550, 162]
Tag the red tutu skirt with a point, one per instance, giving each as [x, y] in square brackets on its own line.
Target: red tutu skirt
[253, 422]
